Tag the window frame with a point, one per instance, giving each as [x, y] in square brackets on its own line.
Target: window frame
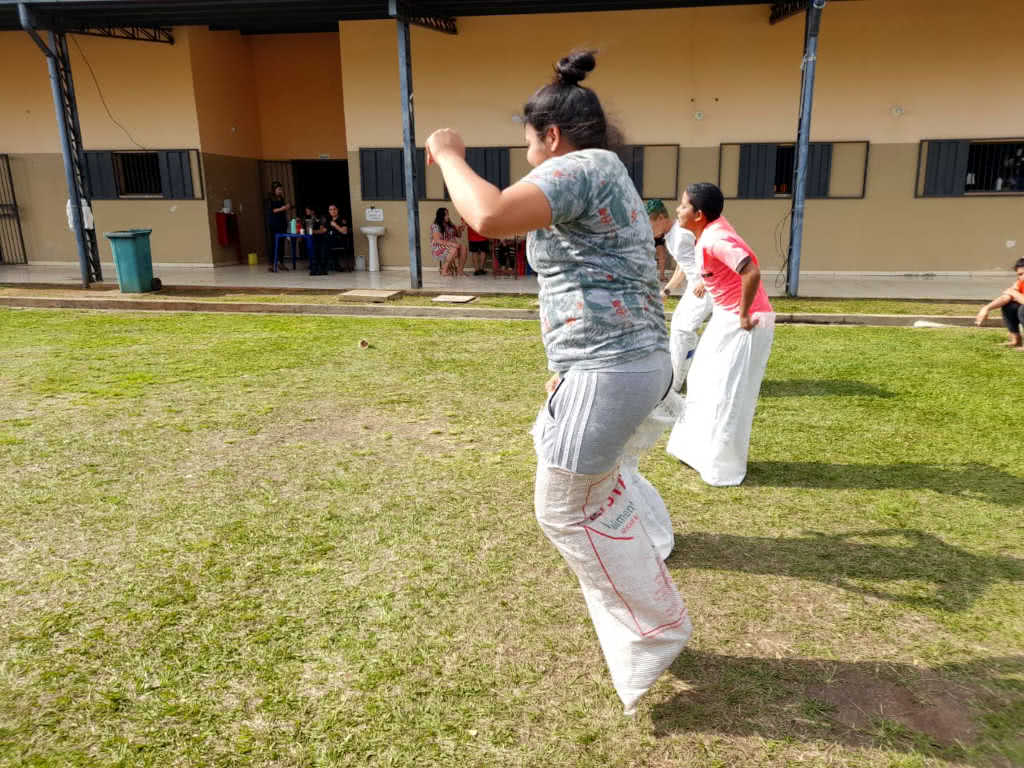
[919, 180]
[109, 188]
[789, 196]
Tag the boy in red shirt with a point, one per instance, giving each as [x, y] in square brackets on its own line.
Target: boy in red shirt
[713, 434]
[1011, 302]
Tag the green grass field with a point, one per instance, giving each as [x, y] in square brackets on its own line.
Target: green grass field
[244, 541]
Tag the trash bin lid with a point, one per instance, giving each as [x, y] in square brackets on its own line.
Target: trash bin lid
[127, 233]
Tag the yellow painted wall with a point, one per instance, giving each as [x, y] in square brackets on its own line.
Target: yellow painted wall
[225, 93]
[148, 88]
[299, 88]
[657, 69]
[41, 192]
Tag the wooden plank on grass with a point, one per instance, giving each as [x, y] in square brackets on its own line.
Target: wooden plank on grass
[369, 294]
[454, 298]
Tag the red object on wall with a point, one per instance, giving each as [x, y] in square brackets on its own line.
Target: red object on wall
[226, 228]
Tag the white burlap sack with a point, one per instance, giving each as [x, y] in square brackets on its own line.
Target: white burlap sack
[656, 517]
[599, 524]
[713, 433]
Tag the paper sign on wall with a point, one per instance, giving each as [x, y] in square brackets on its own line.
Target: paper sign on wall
[375, 214]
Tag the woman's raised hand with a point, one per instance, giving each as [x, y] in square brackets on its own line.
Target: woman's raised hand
[442, 142]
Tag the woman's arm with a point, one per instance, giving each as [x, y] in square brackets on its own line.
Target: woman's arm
[492, 212]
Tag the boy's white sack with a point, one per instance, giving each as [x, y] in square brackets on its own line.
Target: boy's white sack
[713, 434]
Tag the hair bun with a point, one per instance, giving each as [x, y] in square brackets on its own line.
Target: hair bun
[572, 69]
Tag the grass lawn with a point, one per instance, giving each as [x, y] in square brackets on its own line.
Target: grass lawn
[244, 541]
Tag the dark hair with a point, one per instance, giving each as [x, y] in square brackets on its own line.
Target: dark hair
[574, 109]
[276, 185]
[705, 196]
[440, 222]
[1019, 264]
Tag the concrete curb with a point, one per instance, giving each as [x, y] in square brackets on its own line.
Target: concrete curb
[390, 310]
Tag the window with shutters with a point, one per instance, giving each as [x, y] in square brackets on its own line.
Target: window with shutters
[956, 167]
[382, 174]
[835, 170]
[167, 174]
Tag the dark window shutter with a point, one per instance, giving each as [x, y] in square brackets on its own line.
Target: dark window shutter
[396, 164]
[421, 174]
[946, 170]
[632, 156]
[757, 170]
[100, 172]
[491, 163]
[367, 175]
[176, 175]
[381, 174]
[819, 169]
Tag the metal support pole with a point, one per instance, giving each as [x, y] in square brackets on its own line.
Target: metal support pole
[409, 145]
[68, 152]
[803, 137]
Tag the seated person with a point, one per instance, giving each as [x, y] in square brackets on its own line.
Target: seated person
[315, 226]
[505, 251]
[445, 245]
[479, 250]
[338, 248]
[1011, 302]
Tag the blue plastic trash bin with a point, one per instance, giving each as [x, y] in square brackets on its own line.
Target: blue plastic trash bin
[133, 260]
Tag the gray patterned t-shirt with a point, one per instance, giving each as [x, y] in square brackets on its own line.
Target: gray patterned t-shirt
[599, 302]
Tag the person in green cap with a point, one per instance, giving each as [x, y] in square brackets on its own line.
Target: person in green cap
[695, 306]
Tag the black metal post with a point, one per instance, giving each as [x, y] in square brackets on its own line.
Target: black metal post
[803, 138]
[409, 155]
[81, 174]
[52, 51]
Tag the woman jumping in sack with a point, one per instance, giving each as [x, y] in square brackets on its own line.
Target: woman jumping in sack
[603, 328]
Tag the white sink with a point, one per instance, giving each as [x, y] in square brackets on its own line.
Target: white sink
[372, 233]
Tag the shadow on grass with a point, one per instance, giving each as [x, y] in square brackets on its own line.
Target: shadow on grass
[978, 481]
[937, 712]
[820, 388]
[861, 562]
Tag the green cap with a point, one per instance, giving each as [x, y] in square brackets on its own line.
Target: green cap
[656, 208]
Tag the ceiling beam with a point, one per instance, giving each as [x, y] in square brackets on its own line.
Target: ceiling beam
[445, 24]
[782, 11]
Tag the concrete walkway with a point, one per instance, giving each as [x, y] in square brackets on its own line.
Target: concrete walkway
[970, 286]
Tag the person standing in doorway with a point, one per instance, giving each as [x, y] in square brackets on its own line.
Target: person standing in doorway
[713, 433]
[603, 329]
[277, 213]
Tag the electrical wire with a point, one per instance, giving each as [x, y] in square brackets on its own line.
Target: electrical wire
[100, 92]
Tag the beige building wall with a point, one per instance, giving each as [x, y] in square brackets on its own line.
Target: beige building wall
[888, 73]
[148, 89]
[299, 88]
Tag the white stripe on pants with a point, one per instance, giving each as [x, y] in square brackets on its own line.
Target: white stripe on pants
[689, 316]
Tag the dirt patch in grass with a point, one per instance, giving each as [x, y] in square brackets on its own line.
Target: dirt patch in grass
[860, 699]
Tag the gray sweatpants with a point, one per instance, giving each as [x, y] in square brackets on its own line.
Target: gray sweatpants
[589, 418]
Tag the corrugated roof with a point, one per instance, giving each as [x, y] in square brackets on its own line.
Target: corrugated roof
[263, 16]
